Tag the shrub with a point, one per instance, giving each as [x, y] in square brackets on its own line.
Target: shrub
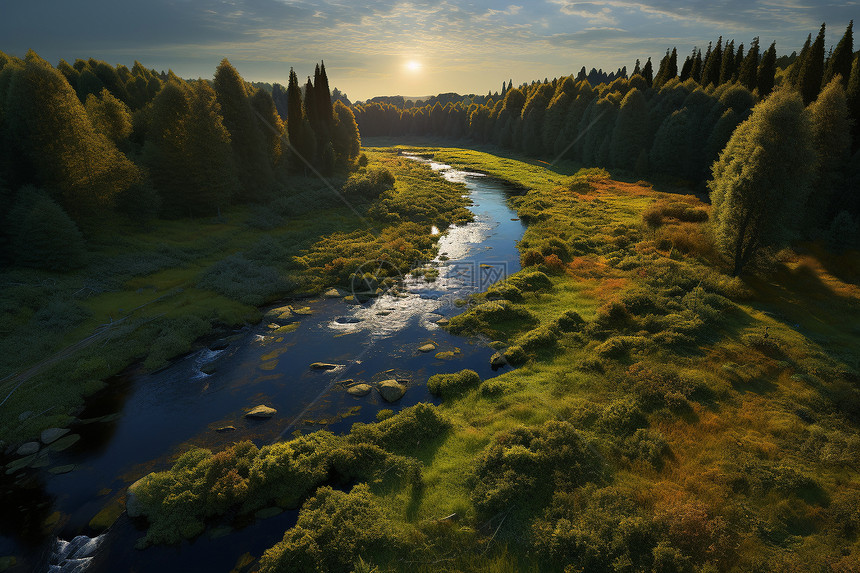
[532, 281]
[449, 385]
[370, 184]
[525, 466]
[497, 387]
[403, 432]
[489, 316]
[46, 237]
[569, 321]
[504, 290]
[540, 338]
[335, 528]
[244, 280]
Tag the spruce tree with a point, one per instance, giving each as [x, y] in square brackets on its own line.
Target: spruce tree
[748, 71]
[713, 63]
[687, 68]
[727, 66]
[295, 114]
[648, 73]
[812, 70]
[696, 71]
[767, 72]
[668, 68]
[637, 69]
[793, 75]
[739, 60]
[762, 180]
[839, 63]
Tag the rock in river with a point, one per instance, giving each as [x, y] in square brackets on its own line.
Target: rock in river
[323, 366]
[28, 449]
[360, 389]
[429, 347]
[261, 412]
[391, 390]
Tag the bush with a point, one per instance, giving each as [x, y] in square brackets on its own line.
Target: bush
[334, 529]
[450, 385]
[569, 321]
[489, 316]
[540, 338]
[405, 431]
[46, 237]
[370, 184]
[531, 281]
[244, 280]
[523, 467]
[504, 290]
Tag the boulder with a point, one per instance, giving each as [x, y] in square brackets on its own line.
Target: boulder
[443, 322]
[334, 292]
[132, 504]
[360, 389]
[391, 390]
[62, 469]
[28, 449]
[224, 429]
[282, 313]
[323, 366]
[498, 359]
[261, 412]
[64, 442]
[429, 347]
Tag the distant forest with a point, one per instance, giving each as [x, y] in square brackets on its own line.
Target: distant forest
[670, 123]
[82, 141]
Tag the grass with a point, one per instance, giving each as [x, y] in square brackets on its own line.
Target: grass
[148, 294]
[711, 421]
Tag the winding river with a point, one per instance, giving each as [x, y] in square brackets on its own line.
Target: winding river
[142, 421]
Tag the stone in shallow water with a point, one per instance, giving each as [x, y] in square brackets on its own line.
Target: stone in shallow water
[62, 469]
[391, 390]
[53, 434]
[223, 429]
[28, 449]
[360, 389]
[323, 366]
[64, 442]
[429, 347]
[443, 322]
[261, 412]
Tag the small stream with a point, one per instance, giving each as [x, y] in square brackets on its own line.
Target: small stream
[142, 421]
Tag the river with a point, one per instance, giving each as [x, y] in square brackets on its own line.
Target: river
[145, 420]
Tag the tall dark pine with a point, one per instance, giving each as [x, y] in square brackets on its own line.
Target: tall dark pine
[794, 72]
[713, 63]
[648, 72]
[840, 61]
[812, 70]
[696, 72]
[310, 103]
[687, 68]
[739, 60]
[767, 72]
[294, 110]
[322, 93]
[668, 68]
[637, 69]
[727, 66]
[748, 71]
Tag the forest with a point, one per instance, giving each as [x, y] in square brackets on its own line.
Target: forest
[669, 381]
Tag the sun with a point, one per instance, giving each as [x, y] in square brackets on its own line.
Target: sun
[413, 65]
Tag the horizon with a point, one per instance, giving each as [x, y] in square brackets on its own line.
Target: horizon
[395, 48]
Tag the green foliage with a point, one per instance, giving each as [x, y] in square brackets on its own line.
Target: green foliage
[248, 281]
[109, 116]
[44, 237]
[761, 180]
[521, 469]
[334, 529]
[370, 184]
[492, 317]
[452, 385]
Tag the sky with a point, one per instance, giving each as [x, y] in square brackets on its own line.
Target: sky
[411, 48]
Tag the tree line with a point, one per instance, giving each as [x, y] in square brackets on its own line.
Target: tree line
[674, 123]
[84, 141]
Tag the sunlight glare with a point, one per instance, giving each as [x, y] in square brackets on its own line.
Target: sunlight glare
[413, 65]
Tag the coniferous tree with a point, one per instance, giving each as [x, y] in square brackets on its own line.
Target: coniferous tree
[270, 124]
[852, 95]
[295, 114]
[762, 180]
[766, 76]
[739, 60]
[648, 73]
[630, 134]
[831, 136]
[45, 236]
[748, 71]
[668, 68]
[727, 66]
[687, 68]
[839, 63]
[637, 69]
[696, 71]
[812, 70]
[48, 126]
[793, 76]
[249, 145]
[712, 65]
